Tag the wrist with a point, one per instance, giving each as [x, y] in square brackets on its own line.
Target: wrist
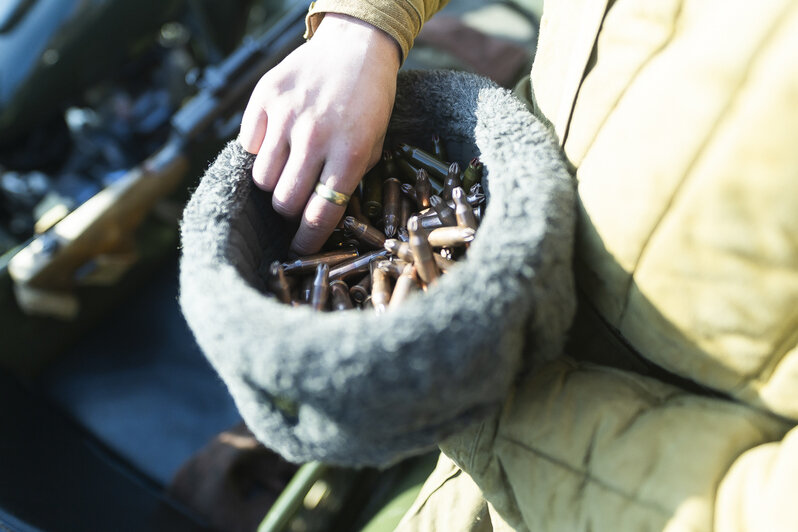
[342, 27]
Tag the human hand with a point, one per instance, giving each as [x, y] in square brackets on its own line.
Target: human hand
[321, 116]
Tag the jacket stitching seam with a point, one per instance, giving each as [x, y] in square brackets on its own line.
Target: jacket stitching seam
[711, 135]
[588, 477]
[634, 76]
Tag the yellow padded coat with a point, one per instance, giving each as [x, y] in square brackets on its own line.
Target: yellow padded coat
[680, 118]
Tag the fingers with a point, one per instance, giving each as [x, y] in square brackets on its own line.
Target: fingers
[296, 182]
[271, 159]
[253, 125]
[321, 216]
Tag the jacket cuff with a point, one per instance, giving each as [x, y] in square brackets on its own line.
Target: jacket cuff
[400, 20]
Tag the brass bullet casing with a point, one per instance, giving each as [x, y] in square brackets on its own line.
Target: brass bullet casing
[405, 286]
[399, 249]
[389, 165]
[443, 210]
[438, 149]
[309, 263]
[392, 205]
[473, 173]
[372, 193]
[430, 220]
[306, 289]
[380, 289]
[321, 287]
[404, 215]
[357, 265]
[422, 159]
[423, 189]
[452, 180]
[361, 290]
[451, 237]
[339, 296]
[462, 210]
[409, 192]
[278, 283]
[394, 267]
[406, 171]
[476, 196]
[422, 252]
[365, 233]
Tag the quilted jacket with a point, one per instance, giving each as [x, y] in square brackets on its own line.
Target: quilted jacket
[675, 405]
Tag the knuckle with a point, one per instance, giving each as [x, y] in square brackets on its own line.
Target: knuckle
[286, 207]
[315, 224]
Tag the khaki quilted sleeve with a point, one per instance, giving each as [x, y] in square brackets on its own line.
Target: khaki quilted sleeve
[758, 494]
[582, 447]
[401, 19]
[683, 133]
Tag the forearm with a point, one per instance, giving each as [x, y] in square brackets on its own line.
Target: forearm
[401, 19]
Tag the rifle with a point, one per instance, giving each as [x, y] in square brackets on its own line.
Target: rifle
[45, 270]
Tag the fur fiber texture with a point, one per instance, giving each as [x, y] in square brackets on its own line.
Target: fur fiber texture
[354, 388]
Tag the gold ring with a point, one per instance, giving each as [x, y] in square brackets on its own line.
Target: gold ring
[336, 198]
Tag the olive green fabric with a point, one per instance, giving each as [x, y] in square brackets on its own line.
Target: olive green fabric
[680, 118]
[585, 447]
[401, 20]
[683, 134]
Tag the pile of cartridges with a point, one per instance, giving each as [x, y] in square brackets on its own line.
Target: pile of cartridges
[412, 217]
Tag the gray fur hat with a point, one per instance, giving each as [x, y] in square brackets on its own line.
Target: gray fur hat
[355, 388]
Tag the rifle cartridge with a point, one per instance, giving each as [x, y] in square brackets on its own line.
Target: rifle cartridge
[406, 171]
[462, 210]
[442, 209]
[321, 287]
[476, 197]
[277, 282]
[389, 164]
[357, 265]
[406, 284]
[392, 204]
[473, 173]
[306, 289]
[310, 262]
[367, 303]
[393, 266]
[423, 159]
[366, 233]
[438, 149]
[452, 180]
[407, 210]
[423, 189]
[339, 295]
[372, 193]
[430, 221]
[409, 192]
[451, 237]
[422, 251]
[380, 289]
[399, 249]
[359, 291]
